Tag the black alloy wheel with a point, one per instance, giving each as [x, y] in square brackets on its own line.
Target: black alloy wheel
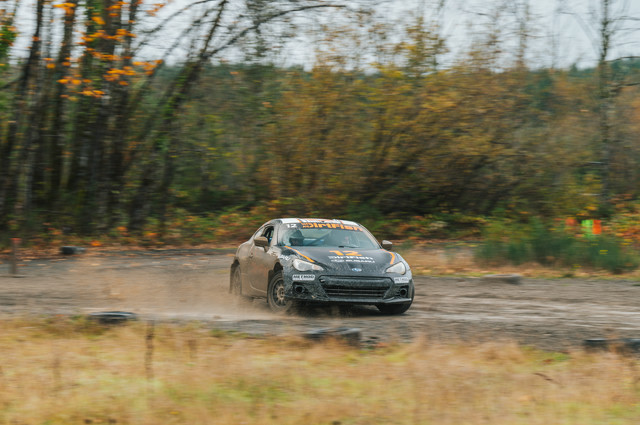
[276, 296]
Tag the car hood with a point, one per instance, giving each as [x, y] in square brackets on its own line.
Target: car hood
[347, 261]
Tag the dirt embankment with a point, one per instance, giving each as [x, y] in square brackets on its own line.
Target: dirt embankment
[193, 285]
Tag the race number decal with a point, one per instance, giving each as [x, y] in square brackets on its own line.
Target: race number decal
[348, 253]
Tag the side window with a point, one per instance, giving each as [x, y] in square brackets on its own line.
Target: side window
[268, 233]
[259, 232]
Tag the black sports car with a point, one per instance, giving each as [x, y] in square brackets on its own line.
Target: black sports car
[308, 260]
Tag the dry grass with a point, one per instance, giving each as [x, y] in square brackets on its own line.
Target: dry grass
[64, 371]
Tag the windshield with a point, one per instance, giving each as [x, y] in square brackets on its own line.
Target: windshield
[341, 237]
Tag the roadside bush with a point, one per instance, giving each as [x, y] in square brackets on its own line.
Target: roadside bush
[535, 242]
[421, 227]
[626, 222]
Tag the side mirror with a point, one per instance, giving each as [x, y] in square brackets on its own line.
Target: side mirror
[261, 241]
[387, 245]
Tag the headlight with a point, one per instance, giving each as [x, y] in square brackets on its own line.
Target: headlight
[304, 266]
[397, 268]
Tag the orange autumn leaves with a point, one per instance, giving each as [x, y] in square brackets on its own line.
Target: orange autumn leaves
[69, 8]
[86, 87]
[105, 36]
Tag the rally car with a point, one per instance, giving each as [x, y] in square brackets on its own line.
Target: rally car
[298, 261]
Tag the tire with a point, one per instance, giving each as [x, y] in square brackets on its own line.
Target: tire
[275, 295]
[345, 310]
[393, 309]
[235, 284]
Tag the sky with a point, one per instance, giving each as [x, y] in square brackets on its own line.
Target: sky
[562, 32]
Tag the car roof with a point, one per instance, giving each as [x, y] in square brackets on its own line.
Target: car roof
[317, 220]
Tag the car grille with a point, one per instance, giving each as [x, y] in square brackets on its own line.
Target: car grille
[354, 287]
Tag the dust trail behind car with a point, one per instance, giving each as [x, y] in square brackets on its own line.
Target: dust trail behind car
[162, 285]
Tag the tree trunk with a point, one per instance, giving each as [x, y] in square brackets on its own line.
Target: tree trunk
[57, 137]
[11, 171]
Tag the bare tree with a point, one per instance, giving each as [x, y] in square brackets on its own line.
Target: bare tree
[606, 25]
[222, 26]
[13, 174]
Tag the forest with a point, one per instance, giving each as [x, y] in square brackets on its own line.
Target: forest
[102, 136]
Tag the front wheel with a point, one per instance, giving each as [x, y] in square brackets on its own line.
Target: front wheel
[393, 309]
[275, 295]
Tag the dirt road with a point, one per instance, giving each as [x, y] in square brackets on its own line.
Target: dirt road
[192, 285]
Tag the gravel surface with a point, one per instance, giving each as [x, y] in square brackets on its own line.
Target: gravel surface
[193, 285]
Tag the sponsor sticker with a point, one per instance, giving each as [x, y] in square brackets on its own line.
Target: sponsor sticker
[319, 224]
[331, 226]
[403, 279]
[339, 259]
[303, 277]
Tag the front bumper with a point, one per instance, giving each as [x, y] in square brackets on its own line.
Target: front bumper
[350, 290]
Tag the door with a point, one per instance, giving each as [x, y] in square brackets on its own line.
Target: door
[261, 262]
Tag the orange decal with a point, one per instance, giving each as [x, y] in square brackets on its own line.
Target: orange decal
[393, 257]
[300, 254]
[348, 253]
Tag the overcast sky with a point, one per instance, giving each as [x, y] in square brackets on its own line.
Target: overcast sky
[562, 31]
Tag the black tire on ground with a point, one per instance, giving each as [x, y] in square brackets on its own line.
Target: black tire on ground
[393, 309]
[345, 310]
[275, 295]
[235, 284]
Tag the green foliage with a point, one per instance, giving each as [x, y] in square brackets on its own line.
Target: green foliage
[534, 242]
[366, 214]
[8, 35]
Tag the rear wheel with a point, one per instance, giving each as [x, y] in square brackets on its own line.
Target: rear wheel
[235, 284]
[276, 296]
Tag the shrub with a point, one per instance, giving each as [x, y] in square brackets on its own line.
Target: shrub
[535, 242]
